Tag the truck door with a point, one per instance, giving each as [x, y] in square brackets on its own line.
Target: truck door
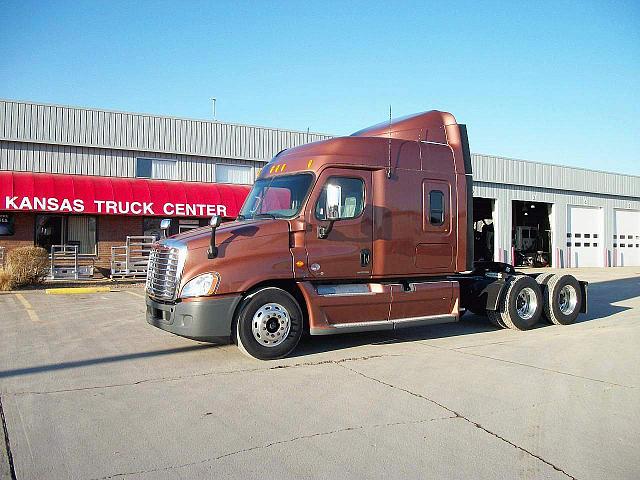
[345, 253]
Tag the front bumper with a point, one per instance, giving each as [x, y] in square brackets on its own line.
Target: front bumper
[207, 319]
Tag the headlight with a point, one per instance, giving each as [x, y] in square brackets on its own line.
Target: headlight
[205, 284]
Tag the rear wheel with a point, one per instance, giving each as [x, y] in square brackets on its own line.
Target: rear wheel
[269, 324]
[543, 278]
[521, 307]
[562, 299]
[495, 319]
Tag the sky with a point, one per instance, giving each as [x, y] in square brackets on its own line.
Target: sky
[555, 82]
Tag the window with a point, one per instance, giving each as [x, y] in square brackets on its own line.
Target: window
[351, 198]
[278, 197]
[186, 224]
[156, 168]
[6, 224]
[151, 225]
[80, 230]
[436, 207]
[240, 174]
[578, 244]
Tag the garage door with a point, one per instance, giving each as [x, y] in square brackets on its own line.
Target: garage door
[626, 238]
[584, 237]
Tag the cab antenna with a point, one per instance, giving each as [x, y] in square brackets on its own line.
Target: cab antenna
[389, 152]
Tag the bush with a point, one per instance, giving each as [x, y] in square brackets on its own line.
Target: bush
[27, 265]
[6, 281]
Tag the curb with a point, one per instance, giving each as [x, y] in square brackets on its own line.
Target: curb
[76, 290]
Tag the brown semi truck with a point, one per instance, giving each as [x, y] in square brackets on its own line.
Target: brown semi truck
[367, 232]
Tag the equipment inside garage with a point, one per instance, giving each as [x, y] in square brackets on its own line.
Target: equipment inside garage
[483, 234]
[531, 234]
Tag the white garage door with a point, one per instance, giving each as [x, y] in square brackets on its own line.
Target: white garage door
[584, 237]
[626, 238]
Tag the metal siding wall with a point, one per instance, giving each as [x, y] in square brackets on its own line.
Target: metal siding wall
[35, 157]
[52, 124]
[493, 169]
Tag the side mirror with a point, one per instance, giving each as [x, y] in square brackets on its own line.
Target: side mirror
[165, 224]
[333, 207]
[334, 201]
[215, 221]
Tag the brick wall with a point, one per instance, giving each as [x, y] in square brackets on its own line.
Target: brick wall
[23, 237]
[112, 230]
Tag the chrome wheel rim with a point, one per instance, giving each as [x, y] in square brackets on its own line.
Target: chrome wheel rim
[526, 303]
[567, 299]
[271, 324]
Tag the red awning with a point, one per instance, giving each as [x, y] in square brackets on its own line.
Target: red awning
[44, 192]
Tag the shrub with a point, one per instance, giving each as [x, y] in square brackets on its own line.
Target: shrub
[27, 265]
[6, 281]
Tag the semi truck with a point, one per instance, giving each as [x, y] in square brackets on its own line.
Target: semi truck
[367, 232]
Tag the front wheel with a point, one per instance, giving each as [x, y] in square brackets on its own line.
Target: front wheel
[269, 324]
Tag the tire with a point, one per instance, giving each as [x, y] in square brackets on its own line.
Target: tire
[562, 299]
[542, 279]
[269, 324]
[521, 306]
[495, 319]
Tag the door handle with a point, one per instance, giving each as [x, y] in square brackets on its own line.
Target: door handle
[365, 257]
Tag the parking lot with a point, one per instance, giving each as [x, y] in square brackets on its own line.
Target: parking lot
[90, 391]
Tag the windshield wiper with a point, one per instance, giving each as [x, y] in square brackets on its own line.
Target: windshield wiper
[240, 217]
[271, 215]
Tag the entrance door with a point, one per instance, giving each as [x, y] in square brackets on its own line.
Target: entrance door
[346, 251]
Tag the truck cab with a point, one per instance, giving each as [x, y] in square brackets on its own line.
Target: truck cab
[358, 233]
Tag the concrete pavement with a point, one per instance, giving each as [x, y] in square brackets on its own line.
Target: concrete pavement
[90, 391]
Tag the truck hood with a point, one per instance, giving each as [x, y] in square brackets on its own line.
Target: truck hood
[233, 231]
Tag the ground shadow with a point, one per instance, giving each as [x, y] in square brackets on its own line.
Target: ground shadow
[97, 361]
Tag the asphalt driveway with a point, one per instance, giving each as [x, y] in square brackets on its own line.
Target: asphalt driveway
[89, 390]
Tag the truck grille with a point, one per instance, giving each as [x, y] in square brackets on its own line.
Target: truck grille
[162, 272]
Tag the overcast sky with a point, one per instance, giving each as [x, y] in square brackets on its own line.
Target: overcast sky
[555, 82]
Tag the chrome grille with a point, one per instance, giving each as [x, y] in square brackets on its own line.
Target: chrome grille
[163, 273]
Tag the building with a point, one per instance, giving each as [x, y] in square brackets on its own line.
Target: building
[122, 172]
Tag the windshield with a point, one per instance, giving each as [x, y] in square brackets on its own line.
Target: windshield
[276, 197]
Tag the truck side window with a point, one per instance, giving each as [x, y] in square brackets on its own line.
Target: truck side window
[352, 198]
[436, 207]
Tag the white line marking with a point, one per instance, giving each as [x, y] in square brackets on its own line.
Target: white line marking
[27, 306]
[133, 293]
